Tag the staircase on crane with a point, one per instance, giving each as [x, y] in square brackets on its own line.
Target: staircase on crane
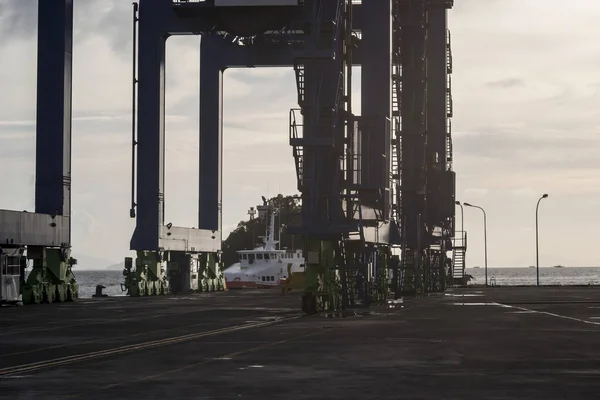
[458, 256]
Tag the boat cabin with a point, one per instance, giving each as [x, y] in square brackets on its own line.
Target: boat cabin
[249, 257]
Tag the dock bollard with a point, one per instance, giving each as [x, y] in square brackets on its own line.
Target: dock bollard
[99, 291]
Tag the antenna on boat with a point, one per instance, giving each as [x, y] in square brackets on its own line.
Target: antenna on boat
[268, 212]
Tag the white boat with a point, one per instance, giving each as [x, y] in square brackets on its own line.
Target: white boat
[265, 266]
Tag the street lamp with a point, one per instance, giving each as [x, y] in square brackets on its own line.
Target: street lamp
[462, 216]
[537, 246]
[484, 238]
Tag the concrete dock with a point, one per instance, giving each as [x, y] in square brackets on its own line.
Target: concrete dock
[492, 343]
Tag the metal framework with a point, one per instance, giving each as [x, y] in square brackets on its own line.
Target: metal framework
[231, 37]
[369, 182]
[342, 160]
[425, 195]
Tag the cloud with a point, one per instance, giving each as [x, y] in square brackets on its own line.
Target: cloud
[506, 83]
[475, 192]
[543, 151]
[18, 17]
[524, 192]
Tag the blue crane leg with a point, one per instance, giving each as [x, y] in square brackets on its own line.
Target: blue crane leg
[53, 130]
[441, 199]
[151, 136]
[376, 95]
[211, 133]
[436, 81]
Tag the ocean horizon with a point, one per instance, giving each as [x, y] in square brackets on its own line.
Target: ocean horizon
[499, 276]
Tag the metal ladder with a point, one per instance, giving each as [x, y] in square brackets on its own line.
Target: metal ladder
[449, 108]
[297, 151]
[459, 255]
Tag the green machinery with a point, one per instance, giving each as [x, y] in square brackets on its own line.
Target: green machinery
[341, 275]
[424, 272]
[209, 270]
[160, 273]
[148, 278]
[342, 161]
[40, 241]
[51, 278]
[349, 274]
[323, 291]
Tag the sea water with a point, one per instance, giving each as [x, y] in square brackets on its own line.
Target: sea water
[527, 276]
[112, 279]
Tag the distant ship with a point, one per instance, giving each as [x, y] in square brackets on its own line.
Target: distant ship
[266, 266]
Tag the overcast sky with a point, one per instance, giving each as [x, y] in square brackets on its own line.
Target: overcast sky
[526, 92]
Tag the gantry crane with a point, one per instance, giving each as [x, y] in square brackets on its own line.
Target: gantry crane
[371, 183]
[363, 178]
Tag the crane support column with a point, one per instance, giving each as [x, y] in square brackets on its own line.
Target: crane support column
[211, 132]
[53, 129]
[376, 96]
[157, 242]
[342, 160]
[440, 177]
[211, 156]
[412, 20]
[148, 277]
[375, 133]
[52, 265]
[323, 80]
[46, 234]
[149, 210]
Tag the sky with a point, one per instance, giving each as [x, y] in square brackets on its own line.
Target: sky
[526, 93]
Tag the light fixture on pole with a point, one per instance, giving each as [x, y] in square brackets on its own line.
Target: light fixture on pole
[484, 238]
[537, 246]
[462, 216]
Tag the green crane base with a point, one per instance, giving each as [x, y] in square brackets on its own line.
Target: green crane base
[323, 287]
[148, 278]
[51, 278]
[210, 273]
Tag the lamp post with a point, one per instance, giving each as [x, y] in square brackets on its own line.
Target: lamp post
[537, 242]
[462, 216]
[484, 239]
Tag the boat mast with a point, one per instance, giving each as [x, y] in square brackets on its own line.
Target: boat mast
[268, 212]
